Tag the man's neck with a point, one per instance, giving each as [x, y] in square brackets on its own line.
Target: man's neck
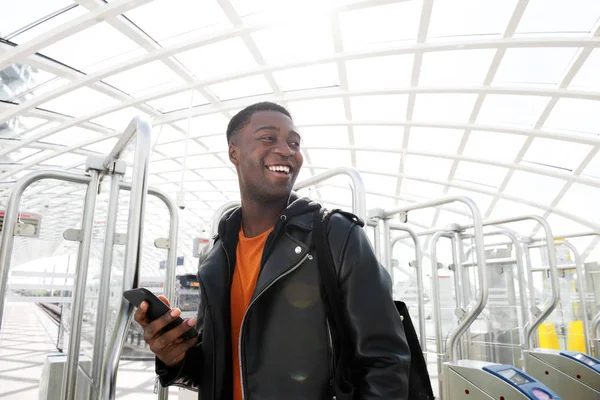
[257, 216]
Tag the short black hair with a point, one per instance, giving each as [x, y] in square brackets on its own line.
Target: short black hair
[242, 118]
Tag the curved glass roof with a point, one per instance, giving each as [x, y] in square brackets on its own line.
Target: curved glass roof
[495, 100]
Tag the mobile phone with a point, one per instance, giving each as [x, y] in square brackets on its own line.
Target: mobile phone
[156, 309]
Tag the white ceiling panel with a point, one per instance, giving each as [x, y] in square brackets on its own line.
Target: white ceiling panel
[469, 18]
[395, 89]
[381, 26]
[556, 153]
[435, 140]
[370, 136]
[494, 146]
[444, 107]
[372, 73]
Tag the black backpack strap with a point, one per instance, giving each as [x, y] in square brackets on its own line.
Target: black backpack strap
[419, 382]
[342, 388]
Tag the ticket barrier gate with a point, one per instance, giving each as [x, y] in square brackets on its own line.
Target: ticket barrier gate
[482, 380]
[478, 379]
[571, 374]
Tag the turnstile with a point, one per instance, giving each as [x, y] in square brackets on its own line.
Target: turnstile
[474, 380]
[571, 374]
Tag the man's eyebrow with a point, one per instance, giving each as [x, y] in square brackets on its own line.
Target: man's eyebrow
[267, 128]
[274, 128]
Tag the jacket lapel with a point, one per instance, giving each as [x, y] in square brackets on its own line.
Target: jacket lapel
[214, 276]
[286, 253]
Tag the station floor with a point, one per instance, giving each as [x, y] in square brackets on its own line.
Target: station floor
[28, 336]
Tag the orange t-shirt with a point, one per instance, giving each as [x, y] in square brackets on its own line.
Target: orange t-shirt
[247, 267]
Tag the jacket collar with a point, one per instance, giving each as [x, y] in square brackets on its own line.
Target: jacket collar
[298, 212]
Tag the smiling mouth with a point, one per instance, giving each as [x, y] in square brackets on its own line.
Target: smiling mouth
[281, 169]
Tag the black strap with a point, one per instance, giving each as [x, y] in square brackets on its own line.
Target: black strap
[342, 386]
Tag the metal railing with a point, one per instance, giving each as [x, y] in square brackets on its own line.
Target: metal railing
[551, 304]
[595, 327]
[419, 271]
[105, 363]
[477, 306]
[581, 287]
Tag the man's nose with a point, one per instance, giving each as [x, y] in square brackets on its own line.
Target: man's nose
[283, 148]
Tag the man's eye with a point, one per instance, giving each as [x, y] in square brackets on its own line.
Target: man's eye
[267, 138]
[295, 144]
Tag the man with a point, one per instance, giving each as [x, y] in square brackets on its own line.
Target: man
[265, 333]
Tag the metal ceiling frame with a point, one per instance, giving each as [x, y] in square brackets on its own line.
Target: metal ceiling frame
[111, 14]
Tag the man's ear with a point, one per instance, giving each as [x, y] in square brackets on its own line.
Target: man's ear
[233, 154]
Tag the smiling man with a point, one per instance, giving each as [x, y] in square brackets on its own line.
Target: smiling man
[265, 330]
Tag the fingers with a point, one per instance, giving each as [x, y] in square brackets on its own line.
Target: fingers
[169, 338]
[164, 300]
[174, 354]
[152, 329]
[169, 347]
[140, 314]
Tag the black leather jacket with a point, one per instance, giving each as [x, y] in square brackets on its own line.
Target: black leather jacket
[287, 342]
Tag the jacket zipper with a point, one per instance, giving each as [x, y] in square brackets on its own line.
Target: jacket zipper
[248, 309]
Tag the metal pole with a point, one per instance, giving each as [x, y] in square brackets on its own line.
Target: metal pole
[104, 289]
[463, 288]
[596, 332]
[377, 242]
[387, 247]
[555, 290]
[359, 196]
[437, 311]
[521, 278]
[419, 271]
[171, 273]
[219, 213]
[139, 188]
[477, 306]
[582, 288]
[83, 258]
[533, 310]
[10, 219]
[518, 260]
[123, 141]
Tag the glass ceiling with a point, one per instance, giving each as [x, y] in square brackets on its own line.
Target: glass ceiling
[495, 100]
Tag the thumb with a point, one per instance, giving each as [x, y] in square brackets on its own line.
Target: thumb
[164, 300]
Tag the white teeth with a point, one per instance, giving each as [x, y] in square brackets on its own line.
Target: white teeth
[280, 168]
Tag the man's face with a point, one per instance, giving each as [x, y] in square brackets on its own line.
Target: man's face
[266, 153]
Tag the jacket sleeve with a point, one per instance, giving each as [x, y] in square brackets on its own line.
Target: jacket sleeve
[189, 374]
[381, 359]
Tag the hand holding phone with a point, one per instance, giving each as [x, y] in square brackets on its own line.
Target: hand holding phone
[168, 336]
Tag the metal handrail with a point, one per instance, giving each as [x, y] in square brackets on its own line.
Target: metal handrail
[139, 189]
[104, 287]
[359, 196]
[595, 326]
[419, 272]
[219, 212]
[10, 219]
[83, 258]
[477, 306]
[171, 268]
[520, 268]
[437, 309]
[555, 292]
[581, 288]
